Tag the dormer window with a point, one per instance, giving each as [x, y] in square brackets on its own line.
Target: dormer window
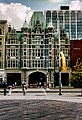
[37, 30]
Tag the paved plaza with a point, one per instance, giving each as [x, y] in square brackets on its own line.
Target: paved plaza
[39, 110]
[38, 104]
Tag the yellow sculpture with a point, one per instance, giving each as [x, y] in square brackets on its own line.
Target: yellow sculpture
[63, 61]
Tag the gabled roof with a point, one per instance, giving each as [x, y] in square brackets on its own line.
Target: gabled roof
[13, 30]
[37, 15]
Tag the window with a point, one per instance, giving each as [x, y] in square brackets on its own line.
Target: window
[33, 63]
[0, 43]
[24, 63]
[8, 52]
[16, 63]
[16, 50]
[48, 16]
[41, 63]
[0, 31]
[24, 52]
[38, 52]
[38, 63]
[1, 79]
[13, 41]
[12, 52]
[0, 64]
[0, 53]
[13, 63]
[8, 63]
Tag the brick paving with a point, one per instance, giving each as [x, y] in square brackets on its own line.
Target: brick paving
[40, 110]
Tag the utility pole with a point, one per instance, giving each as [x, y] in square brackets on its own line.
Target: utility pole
[58, 30]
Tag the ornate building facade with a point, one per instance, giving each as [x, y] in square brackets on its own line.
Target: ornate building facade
[12, 57]
[3, 30]
[32, 54]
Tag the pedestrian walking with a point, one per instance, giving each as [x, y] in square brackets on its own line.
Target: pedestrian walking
[24, 88]
[40, 84]
[4, 86]
[10, 89]
[15, 84]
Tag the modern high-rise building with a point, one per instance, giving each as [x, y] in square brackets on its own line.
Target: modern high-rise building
[70, 20]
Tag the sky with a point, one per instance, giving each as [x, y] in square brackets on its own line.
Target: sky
[15, 11]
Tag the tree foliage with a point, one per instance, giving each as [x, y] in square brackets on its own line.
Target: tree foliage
[76, 78]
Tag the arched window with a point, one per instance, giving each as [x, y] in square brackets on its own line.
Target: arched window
[54, 19]
[54, 16]
[48, 16]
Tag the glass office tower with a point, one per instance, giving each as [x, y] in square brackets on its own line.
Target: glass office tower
[70, 20]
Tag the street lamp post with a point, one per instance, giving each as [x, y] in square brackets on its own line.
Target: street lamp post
[58, 30]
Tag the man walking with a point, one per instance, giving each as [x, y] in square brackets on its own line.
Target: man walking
[4, 86]
[24, 88]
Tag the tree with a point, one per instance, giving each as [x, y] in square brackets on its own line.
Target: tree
[76, 79]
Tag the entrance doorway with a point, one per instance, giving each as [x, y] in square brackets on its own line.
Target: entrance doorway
[64, 79]
[14, 78]
[37, 79]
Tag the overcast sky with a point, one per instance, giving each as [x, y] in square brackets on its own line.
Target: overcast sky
[15, 11]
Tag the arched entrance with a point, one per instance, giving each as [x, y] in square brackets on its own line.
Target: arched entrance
[37, 79]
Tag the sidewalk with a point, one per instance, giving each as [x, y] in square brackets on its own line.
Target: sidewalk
[41, 94]
[41, 90]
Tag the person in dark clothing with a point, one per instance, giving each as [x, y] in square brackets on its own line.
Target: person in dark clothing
[24, 88]
[4, 86]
